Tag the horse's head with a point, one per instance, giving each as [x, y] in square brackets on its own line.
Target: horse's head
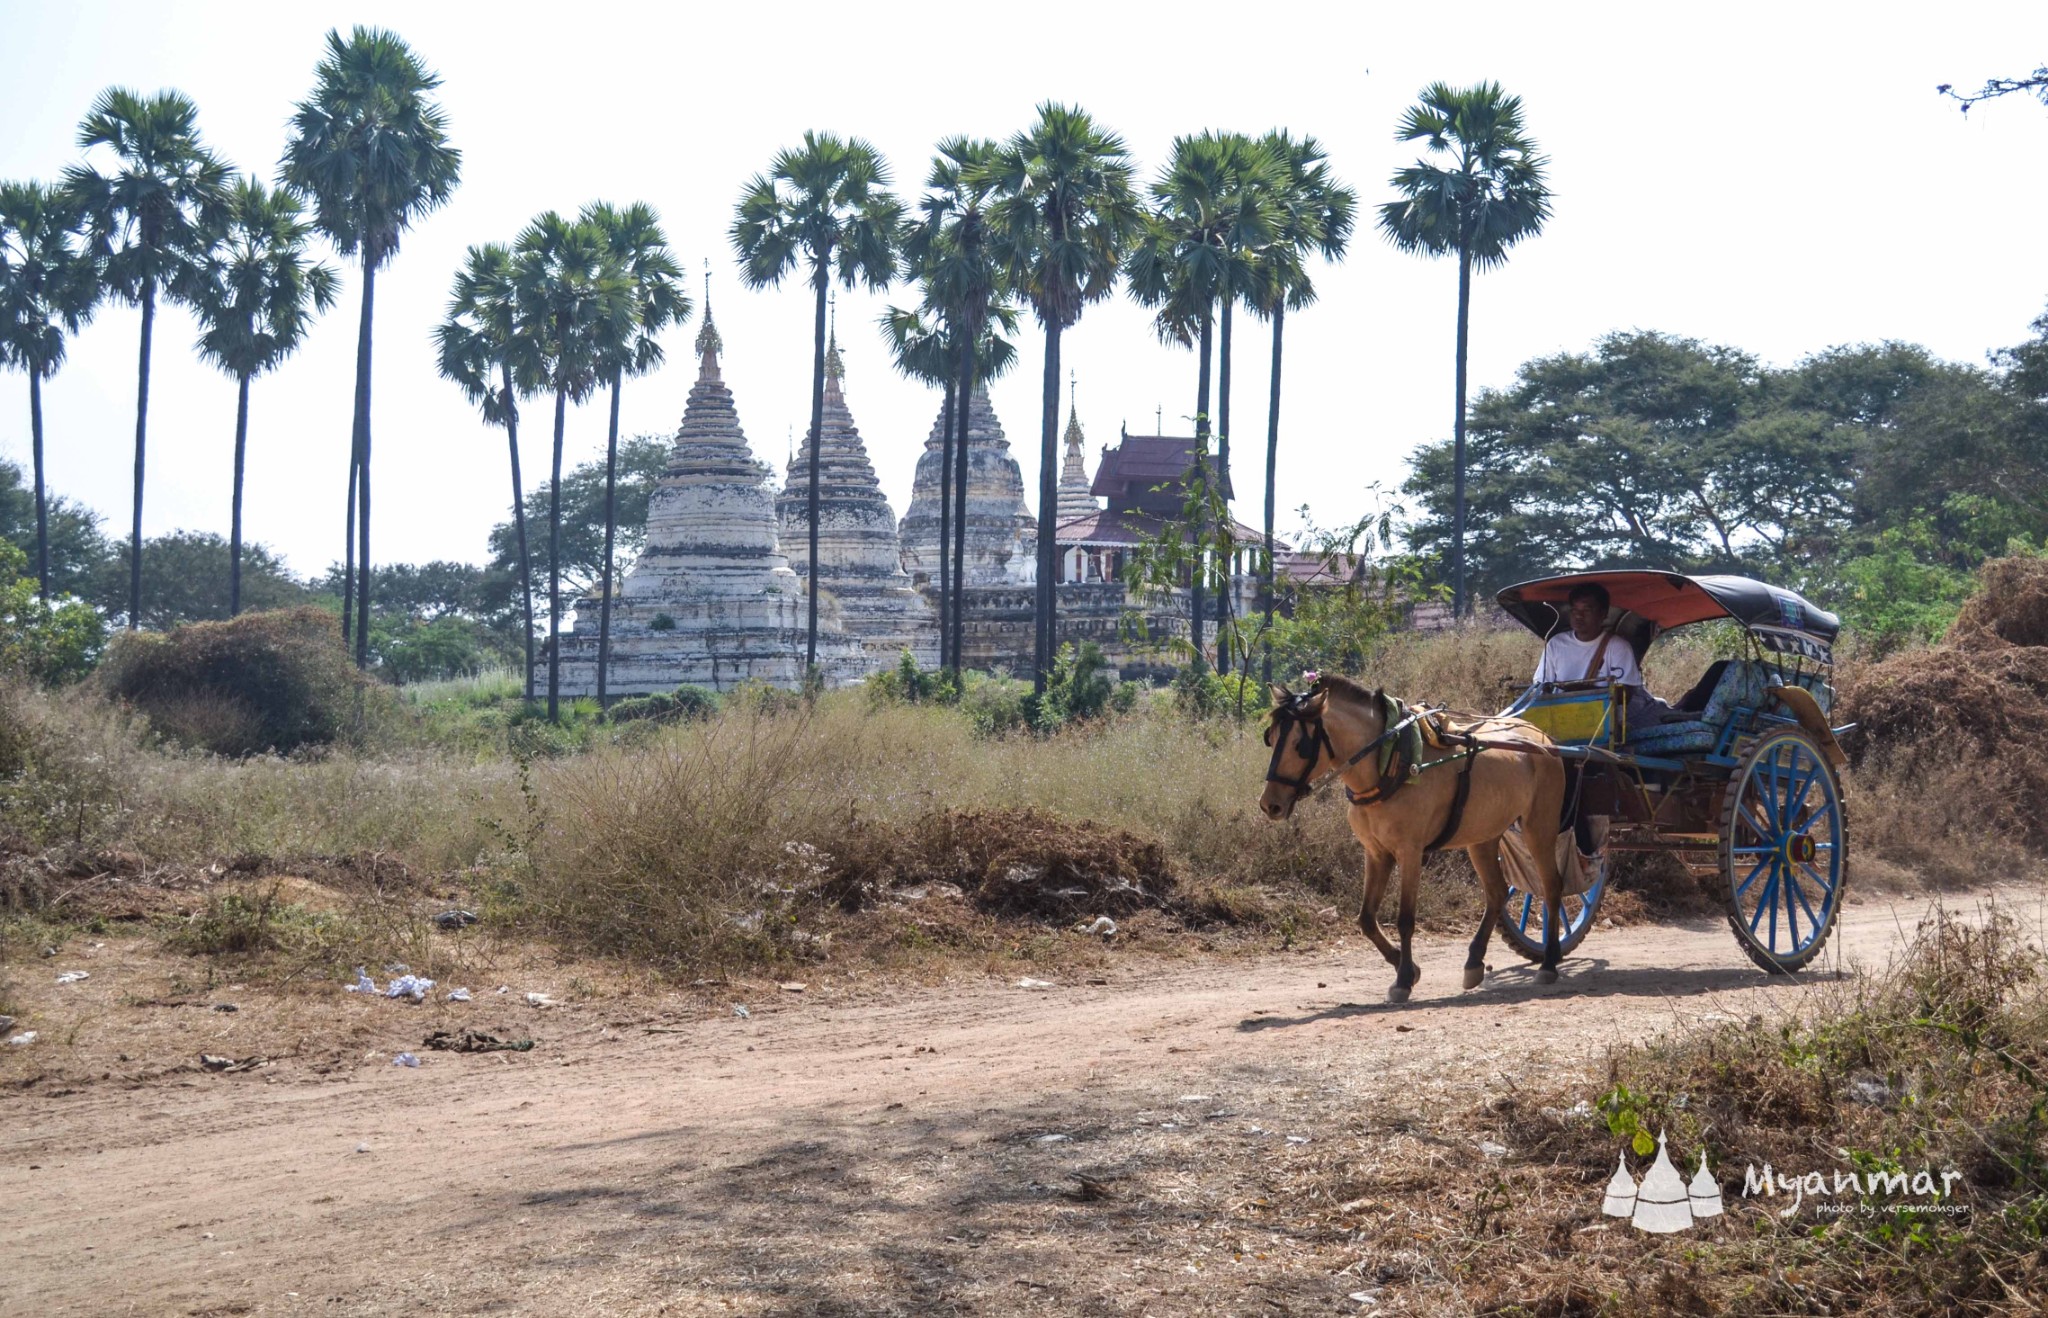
[1299, 729]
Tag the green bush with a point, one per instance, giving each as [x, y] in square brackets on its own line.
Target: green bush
[909, 684]
[685, 702]
[264, 681]
[1077, 690]
[44, 641]
[994, 704]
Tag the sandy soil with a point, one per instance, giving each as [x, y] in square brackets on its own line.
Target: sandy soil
[1123, 1146]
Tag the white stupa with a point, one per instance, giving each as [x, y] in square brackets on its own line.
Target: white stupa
[1621, 1190]
[1704, 1192]
[1662, 1204]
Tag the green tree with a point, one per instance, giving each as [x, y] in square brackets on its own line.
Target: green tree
[1314, 215]
[573, 299]
[185, 579]
[482, 351]
[637, 246]
[255, 298]
[945, 247]
[824, 202]
[1061, 217]
[1491, 195]
[371, 150]
[642, 459]
[47, 291]
[77, 547]
[146, 230]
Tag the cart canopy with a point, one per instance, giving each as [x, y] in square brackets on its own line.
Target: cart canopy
[1648, 602]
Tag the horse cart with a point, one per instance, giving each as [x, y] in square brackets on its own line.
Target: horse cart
[1740, 785]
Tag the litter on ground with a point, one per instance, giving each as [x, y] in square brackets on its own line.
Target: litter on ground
[73, 976]
[405, 1059]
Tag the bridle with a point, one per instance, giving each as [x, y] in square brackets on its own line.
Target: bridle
[1312, 742]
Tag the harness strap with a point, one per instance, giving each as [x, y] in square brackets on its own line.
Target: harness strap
[1459, 795]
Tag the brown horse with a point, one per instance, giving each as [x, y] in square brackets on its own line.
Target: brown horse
[1401, 770]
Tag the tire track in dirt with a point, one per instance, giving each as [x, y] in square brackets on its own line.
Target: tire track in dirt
[816, 1150]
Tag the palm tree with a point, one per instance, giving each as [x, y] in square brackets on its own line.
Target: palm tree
[1314, 214]
[947, 249]
[371, 151]
[573, 299]
[636, 245]
[255, 299]
[47, 290]
[830, 199]
[1062, 213]
[1214, 204]
[146, 231]
[1490, 196]
[482, 351]
[921, 345]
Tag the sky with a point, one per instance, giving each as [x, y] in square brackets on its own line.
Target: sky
[1777, 177]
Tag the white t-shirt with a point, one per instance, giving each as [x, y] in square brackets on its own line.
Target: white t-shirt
[1566, 658]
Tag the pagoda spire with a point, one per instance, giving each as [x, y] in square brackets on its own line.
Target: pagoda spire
[835, 367]
[1076, 497]
[708, 342]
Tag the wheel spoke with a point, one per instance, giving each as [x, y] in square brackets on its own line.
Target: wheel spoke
[1760, 865]
[1523, 923]
[1770, 886]
[1752, 851]
[1826, 886]
[1799, 799]
[1787, 894]
[1811, 919]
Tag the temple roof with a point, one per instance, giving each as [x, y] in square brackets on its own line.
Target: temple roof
[1130, 472]
[1129, 528]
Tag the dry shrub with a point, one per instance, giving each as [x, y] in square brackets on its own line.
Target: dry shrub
[1939, 1062]
[1953, 740]
[263, 681]
[2009, 606]
[1025, 862]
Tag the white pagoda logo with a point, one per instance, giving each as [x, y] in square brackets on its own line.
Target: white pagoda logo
[1663, 1203]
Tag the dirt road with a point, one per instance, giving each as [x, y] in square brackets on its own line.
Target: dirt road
[974, 1148]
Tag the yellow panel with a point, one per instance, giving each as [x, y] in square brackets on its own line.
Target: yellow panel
[1580, 720]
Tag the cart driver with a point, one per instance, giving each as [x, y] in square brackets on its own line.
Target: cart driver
[1589, 651]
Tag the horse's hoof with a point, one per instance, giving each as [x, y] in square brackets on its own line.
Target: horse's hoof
[1546, 976]
[1473, 976]
[1398, 993]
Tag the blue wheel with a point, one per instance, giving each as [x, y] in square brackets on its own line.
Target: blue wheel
[1522, 918]
[1783, 845]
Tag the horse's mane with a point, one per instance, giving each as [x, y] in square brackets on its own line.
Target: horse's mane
[1339, 682]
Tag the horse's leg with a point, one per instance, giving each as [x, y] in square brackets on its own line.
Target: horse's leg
[1379, 867]
[1547, 803]
[1406, 972]
[1486, 861]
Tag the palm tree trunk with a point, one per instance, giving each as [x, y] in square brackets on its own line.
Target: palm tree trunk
[817, 445]
[959, 496]
[945, 579]
[611, 487]
[141, 447]
[555, 564]
[1458, 444]
[1223, 397]
[519, 520]
[1048, 521]
[363, 457]
[235, 514]
[348, 562]
[1201, 472]
[1272, 468]
[35, 430]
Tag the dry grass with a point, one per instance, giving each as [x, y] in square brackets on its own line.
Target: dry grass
[743, 838]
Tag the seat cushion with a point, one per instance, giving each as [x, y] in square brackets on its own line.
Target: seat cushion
[1742, 686]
